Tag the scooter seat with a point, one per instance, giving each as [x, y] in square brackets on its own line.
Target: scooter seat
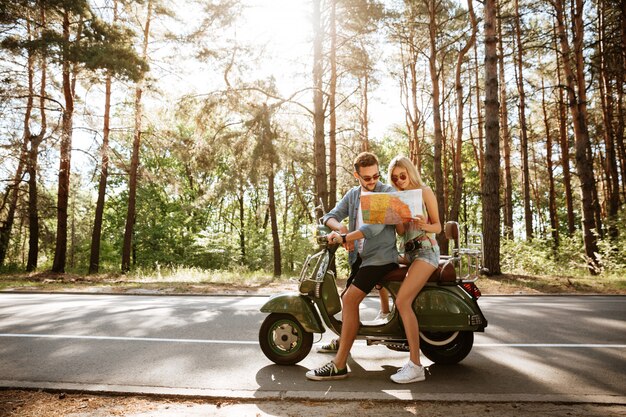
[443, 274]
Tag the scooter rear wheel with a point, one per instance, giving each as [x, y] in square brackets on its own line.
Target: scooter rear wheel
[283, 339]
[449, 353]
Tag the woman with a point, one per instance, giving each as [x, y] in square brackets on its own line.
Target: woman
[422, 253]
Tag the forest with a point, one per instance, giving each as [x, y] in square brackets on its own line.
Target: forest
[146, 134]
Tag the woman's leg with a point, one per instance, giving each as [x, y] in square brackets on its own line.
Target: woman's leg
[416, 278]
[384, 300]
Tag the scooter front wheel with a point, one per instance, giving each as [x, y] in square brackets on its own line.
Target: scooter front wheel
[283, 339]
[446, 347]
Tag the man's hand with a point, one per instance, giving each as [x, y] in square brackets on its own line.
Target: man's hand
[334, 237]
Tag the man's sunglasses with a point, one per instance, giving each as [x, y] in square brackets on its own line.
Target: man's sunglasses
[367, 178]
[394, 178]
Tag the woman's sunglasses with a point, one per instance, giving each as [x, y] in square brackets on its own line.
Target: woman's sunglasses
[394, 178]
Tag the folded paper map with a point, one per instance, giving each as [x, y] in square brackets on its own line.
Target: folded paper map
[391, 208]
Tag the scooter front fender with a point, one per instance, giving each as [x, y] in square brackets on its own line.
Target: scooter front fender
[299, 306]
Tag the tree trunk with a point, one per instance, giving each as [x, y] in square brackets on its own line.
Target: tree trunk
[33, 196]
[65, 156]
[539, 214]
[332, 135]
[491, 183]
[365, 140]
[477, 153]
[242, 224]
[408, 92]
[597, 209]
[274, 223]
[620, 101]
[619, 134]
[554, 223]
[506, 139]
[481, 122]
[438, 139]
[564, 142]
[319, 145]
[528, 216]
[607, 102]
[584, 164]
[458, 169]
[134, 162]
[94, 259]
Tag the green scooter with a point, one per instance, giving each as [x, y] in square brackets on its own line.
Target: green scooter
[447, 307]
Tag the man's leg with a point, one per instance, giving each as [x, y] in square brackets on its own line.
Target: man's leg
[333, 346]
[363, 283]
[350, 324]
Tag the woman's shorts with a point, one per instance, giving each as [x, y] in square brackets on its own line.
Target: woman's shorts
[428, 254]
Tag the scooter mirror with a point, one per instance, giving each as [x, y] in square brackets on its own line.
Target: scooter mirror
[323, 230]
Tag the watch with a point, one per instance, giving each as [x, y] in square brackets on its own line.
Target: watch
[343, 237]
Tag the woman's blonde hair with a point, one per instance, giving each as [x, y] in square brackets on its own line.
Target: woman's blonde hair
[401, 161]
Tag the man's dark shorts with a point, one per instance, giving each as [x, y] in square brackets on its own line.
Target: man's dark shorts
[365, 278]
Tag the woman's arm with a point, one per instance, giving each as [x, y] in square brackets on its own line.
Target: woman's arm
[434, 224]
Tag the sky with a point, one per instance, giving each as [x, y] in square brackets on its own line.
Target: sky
[286, 27]
[281, 32]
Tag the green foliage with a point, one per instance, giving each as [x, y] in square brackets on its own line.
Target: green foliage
[538, 257]
[388, 148]
[522, 257]
[100, 45]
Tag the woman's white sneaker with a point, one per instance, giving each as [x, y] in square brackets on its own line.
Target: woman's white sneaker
[409, 373]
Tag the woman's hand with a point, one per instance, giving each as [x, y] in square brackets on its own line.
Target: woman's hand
[419, 221]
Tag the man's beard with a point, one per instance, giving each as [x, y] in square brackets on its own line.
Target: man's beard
[368, 189]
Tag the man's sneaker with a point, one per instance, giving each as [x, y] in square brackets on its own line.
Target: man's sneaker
[332, 347]
[327, 372]
[382, 316]
[409, 373]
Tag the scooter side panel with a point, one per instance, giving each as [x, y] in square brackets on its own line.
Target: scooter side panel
[298, 306]
[442, 308]
[330, 296]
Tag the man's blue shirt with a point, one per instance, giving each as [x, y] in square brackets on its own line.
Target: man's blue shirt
[379, 246]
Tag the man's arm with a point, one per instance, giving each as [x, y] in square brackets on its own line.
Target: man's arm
[333, 218]
[336, 225]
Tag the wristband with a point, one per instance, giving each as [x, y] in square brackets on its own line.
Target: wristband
[343, 237]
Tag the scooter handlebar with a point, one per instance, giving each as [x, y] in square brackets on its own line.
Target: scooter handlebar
[321, 240]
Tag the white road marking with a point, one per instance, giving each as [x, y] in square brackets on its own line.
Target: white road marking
[552, 345]
[246, 342]
[126, 338]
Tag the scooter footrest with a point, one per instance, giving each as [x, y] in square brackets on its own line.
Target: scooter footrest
[397, 345]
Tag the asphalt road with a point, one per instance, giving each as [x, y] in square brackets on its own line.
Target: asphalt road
[536, 348]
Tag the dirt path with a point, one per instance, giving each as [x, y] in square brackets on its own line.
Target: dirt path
[15, 403]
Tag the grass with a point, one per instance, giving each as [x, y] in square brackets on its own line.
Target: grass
[554, 284]
[195, 280]
[166, 280]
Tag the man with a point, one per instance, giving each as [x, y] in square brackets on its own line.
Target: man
[373, 253]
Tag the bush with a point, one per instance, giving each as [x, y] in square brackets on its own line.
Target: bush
[538, 257]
